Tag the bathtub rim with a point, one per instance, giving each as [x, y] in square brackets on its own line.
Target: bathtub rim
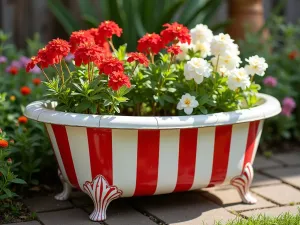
[39, 111]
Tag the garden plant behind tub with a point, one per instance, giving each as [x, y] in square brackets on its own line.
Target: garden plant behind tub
[180, 114]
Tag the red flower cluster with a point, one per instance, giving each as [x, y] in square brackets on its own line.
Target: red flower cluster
[88, 53]
[293, 55]
[3, 144]
[99, 39]
[36, 81]
[117, 80]
[109, 28]
[23, 119]
[175, 32]
[150, 43]
[81, 37]
[110, 65]
[53, 53]
[138, 57]
[25, 90]
[174, 49]
[13, 70]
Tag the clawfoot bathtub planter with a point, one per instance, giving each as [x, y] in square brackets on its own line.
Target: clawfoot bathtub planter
[109, 157]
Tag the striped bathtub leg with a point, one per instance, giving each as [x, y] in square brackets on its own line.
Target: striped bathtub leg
[243, 182]
[102, 194]
[67, 189]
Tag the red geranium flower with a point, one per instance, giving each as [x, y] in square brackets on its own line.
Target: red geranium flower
[139, 57]
[23, 119]
[56, 50]
[292, 55]
[25, 90]
[150, 43]
[36, 81]
[87, 54]
[34, 61]
[110, 65]
[99, 39]
[78, 38]
[108, 28]
[175, 31]
[3, 144]
[13, 70]
[174, 49]
[117, 80]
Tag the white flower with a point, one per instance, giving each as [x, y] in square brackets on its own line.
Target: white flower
[187, 103]
[223, 71]
[257, 65]
[203, 47]
[197, 69]
[238, 78]
[229, 61]
[222, 44]
[185, 48]
[201, 33]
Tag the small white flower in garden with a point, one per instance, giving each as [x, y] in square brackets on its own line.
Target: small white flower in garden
[257, 65]
[197, 69]
[204, 48]
[229, 61]
[238, 78]
[184, 54]
[223, 71]
[222, 44]
[201, 33]
[187, 103]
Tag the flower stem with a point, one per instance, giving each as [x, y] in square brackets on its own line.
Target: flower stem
[66, 65]
[217, 63]
[251, 79]
[89, 77]
[62, 73]
[45, 75]
[132, 72]
[112, 45]
[152, 57]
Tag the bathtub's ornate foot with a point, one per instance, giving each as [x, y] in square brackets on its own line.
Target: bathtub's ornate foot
[67, 189]
[243, 182]
[102, 194]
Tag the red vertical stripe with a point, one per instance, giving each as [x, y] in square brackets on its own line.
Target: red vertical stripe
[221, 154]
[100, 147]
[253, 127]
[65, 152]
[187, 159]
[147, 162]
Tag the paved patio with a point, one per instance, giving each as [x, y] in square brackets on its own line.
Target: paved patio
[276, 186]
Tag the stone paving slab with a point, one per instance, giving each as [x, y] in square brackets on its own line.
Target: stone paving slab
[80, 199]
[66, 217]
[46, 203]
[230, 200]
[188, 208]
[290, 175]
[281, 193]
[25, 223]
[262, 180]
[119, 212]
[290, 159]
[273, 212]
[261, 162]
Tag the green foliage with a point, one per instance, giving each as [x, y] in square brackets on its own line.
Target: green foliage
[283, 39]
[7, 176]
[31, 151]
[283, 219]
[136, 17]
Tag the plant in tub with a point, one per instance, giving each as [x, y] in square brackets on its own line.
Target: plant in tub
[175, 73]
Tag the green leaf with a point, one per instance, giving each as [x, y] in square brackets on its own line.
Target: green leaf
[168, 98]
[121, 99]
[203, 109]
[4, 172]
[82, 106]
[18, 181]
[8, 192]
[63, 15]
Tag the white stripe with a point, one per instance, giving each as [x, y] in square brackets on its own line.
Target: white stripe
[168, 161]
[238, 145]
[257, 139]
[124, 150]
[79, 147]
[57, 152]
[204, 157]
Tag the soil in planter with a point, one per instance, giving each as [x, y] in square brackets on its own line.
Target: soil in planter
[14, 211]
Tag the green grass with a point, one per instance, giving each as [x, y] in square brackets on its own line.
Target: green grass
[284, 219]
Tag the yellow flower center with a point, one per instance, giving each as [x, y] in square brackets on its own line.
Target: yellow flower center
[187, 102]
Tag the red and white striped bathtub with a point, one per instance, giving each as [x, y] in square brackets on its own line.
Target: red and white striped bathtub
[112, 156]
